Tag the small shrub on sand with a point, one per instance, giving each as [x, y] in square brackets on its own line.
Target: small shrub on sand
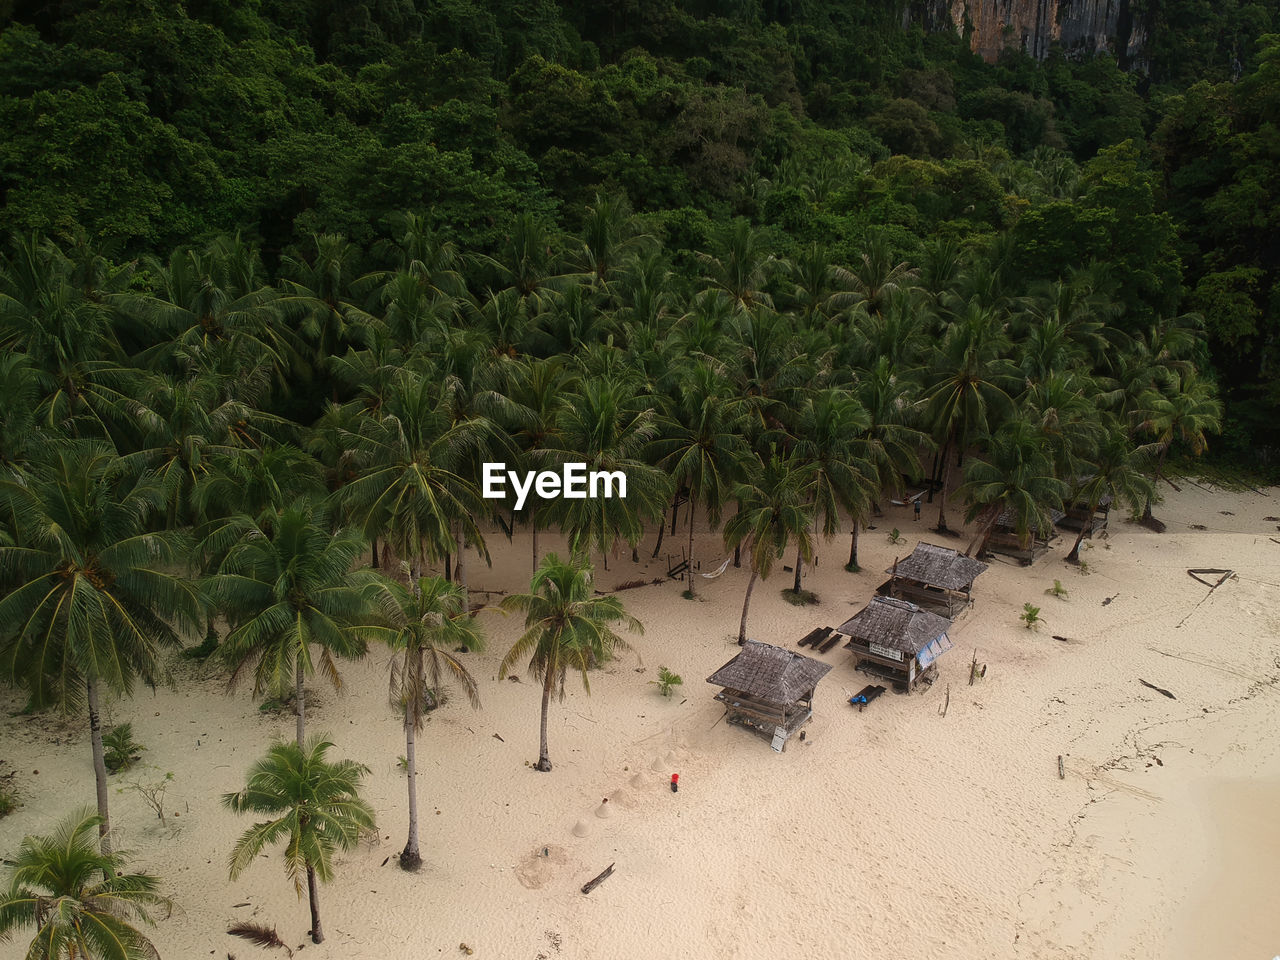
[1030, 616]
[1058, 590]
[666, 681]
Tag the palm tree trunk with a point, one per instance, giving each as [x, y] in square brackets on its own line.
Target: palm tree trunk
[299, 701]
[933, 476]
[799, 567]
[737, 556]
[411, 857]
[1155, 486]
[374, 542]
[1074, 555]
[533, 525]
[742, 627]
[853, 545]
[313, 897]
[544, 761]
[942, 498]
[662, 529]
[692, 513]
[99, 766]
[461, 569]
[448, 566]
[675, 512]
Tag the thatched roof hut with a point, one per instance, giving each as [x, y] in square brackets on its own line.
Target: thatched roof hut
[1025, 548]
[896, 638]
[769, 689]
[935, 577]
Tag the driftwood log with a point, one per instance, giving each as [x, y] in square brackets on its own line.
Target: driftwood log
[601, 878]
[1157, 689]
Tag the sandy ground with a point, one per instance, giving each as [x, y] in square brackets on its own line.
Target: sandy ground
[895, 829]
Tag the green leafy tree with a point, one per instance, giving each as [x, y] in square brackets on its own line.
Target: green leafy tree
[773, 509]
[314, 808]
[1116, 470]
[88, 601]
[566, 628]
[426, 622]
[80, 901]
[286, 591]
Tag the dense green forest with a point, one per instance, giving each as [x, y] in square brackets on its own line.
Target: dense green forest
[139, 129]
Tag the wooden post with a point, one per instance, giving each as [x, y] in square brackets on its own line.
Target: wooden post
[1062, 774]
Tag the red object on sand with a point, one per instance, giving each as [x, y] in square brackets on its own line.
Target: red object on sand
[675, 778]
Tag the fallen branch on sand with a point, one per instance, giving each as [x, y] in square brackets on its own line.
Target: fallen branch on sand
[1157, 689]
[601, 878]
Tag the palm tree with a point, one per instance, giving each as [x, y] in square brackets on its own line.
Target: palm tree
[877, 275]
[741, 266]
[1116, 471]
[703, 444]
[773, 508]
[967, 392]
[1185, 413]
[285, 591]
[315, 808]
[828, 433]
[609, 428]
[822, 288]
[427, 621]
[565, 628]
[410, 485]
[79, 900]
[86, 601]
[1017, 478]
[535, 390]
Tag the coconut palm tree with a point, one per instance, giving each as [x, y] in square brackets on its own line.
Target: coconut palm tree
[409, 463]
[285, 591]
[86, 602]
[877, 274]
[702, 444]
[535, 390]
[609, 428]
[741, 266]
[967, 387]
[566, 628]
[314, 808]
[426, 622]
[1185, 413]
[773, 508]
[1015, 477]
[828, 433]
[79, 900]
[1116, 470]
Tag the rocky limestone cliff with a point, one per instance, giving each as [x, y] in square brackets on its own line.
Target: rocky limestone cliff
[1080, 27]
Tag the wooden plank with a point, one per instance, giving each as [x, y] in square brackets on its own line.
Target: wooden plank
[830, 642]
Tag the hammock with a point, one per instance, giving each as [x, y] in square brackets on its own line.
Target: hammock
[719, 570]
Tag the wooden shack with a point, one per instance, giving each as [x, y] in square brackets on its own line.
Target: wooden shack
[1025, 548]
[936, 578]
[1079, 516]
[769, 689]
[896, 639]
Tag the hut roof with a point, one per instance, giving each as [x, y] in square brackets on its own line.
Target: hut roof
[895, 624]
[770, 673]
[1007, 519]
[937, 566]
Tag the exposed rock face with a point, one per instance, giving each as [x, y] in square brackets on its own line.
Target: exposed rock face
[1081, 27]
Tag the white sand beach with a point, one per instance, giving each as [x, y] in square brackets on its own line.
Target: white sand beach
[895, 831]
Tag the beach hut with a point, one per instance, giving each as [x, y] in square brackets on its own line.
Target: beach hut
[769, 689]
[1006, 541]
[935, 578]
[896, 639]
[1078, 515]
